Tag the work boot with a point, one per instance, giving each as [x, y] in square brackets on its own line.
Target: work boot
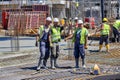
[77, 63]
[115, 40]
[55, 63]
[44, 62]
[100, 47]
[40, 64]
[107, 48]
[83, 63]
[52, 63]
[118, 39]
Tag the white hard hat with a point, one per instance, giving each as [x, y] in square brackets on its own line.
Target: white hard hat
[80, 21]
[48, 19]
[76, 18]
[56, 20]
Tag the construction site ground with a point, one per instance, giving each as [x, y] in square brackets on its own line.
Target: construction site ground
[22, 64]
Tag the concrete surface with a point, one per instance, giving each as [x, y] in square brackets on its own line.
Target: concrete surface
[22, 64]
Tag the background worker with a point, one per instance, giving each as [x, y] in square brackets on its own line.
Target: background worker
[76, 22]
[55, 38]
[80, 38]
[116, 27]
[44, 46]
[104, 34]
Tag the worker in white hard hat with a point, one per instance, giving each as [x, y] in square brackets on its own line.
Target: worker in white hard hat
[44, 45]
[80, 38]
[55, 38]
[76, 22]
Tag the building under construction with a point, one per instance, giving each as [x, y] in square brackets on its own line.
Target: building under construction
[84, 9]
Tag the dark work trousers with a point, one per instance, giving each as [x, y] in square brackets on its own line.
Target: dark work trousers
[44, 53]
[79, 50]
[116, 34]
[104, 38]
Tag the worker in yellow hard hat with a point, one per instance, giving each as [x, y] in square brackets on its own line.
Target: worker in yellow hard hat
[104, 34]
[105, 20]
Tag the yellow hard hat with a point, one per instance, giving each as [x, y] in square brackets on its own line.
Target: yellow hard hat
[105, 19]
[62, 21]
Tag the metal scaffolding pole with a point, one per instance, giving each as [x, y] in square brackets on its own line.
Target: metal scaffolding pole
[102, 8]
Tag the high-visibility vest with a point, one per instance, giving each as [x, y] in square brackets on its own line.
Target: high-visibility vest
[82, 38]
[117, 24]
[55, 34]
[41, 29]
[106, 29]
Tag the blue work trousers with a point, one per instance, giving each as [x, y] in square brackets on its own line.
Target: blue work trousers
[44, 50]
[79, 50]
[105, 39]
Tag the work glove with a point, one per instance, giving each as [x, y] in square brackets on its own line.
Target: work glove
[36, 44]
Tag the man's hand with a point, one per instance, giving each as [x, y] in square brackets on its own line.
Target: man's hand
[51, 45]
[86, 47]
[65, 39]
[36, 44]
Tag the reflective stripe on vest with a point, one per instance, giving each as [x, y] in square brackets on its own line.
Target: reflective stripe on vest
[106, 29]
[55, 34]
[83, 33]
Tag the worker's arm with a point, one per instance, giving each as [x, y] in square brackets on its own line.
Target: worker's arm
[50, 40]
[70, 36]
[86, 39]
[101, 28]
[37, 37]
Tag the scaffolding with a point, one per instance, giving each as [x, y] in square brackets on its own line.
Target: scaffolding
[93, 8]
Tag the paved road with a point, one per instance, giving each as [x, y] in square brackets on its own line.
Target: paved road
[24, 43]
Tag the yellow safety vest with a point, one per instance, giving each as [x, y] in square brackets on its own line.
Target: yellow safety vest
[55, 34]
[106, 29]
[41, 29]
[117, 24]
[83, 33]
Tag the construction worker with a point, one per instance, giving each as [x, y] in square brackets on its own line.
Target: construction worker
[104, 34]
[76, 22]
[116, 27]
[55, 38]
[80, 38]
[44, 46]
